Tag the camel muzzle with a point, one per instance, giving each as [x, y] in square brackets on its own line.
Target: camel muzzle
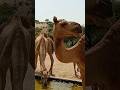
[44, 81]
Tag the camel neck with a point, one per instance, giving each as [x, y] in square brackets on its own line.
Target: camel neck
[63, 53]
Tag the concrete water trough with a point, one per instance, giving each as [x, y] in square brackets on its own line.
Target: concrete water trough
[67, 80]
[58, 83]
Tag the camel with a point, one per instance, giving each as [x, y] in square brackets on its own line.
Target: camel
[44, 45]
[75, 54]
[97, 14]
[15, 46]
[103, 61]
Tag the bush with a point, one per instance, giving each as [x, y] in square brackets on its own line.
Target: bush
[37, 31]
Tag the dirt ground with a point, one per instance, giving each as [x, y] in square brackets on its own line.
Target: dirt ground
[63, 70]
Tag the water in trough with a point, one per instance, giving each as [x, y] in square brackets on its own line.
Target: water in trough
[56, 85]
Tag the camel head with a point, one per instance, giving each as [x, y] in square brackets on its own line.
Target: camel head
[63, 28]
[44, 78]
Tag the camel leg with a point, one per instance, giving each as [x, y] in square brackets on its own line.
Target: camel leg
[42, 61]
[19, 63]
[74, 64]
[44, 73]
[82, 72]
[32, 58]
[36, 57]
[32, 51]
[42, 54]
[4, 65]
[3, 78]
[75, 70]
[51, 67]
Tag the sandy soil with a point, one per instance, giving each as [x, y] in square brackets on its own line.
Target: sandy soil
[63, 70]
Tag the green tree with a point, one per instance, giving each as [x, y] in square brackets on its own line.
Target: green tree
[50, 27]
[37, 31]
[46, 20]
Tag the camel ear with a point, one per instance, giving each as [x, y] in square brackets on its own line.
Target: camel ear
[55, 19]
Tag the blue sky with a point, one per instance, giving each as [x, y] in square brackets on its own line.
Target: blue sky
[72, 10]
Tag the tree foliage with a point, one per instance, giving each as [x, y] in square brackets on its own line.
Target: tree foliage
[37, 31]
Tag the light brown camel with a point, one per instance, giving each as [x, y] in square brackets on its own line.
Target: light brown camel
[75, 54]
[44, 45]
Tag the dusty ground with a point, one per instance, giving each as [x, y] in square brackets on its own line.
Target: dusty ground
[63, 70]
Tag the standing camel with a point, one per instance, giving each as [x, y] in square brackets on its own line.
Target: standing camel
[75, 54]
[102, 60]
[44, 45]
[102, 65]
[14, 53]
[16, 39]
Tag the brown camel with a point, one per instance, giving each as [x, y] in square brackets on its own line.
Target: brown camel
[75, 54]
[16, 49]
[44, 45]
[102, 65]
[14, 53]
[102, 60]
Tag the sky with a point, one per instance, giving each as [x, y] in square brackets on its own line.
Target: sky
[71, 10]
